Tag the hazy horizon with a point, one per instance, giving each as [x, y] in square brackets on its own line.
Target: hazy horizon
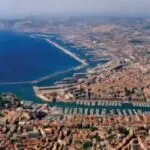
[21, 8]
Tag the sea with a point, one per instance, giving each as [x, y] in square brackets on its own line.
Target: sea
[25, 58]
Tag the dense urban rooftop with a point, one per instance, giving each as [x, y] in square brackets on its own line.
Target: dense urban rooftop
[25, 125]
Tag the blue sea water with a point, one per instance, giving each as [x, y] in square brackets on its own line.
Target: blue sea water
[24, 58]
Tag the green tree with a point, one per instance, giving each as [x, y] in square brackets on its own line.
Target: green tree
[87, 145]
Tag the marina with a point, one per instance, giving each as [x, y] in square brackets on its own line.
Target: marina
[101, 108]
[99, 103]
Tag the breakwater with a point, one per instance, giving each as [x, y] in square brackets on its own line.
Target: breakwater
[41, 79]
[67, 52]
[49, 76]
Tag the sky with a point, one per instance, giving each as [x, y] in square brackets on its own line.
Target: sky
[16, 8]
